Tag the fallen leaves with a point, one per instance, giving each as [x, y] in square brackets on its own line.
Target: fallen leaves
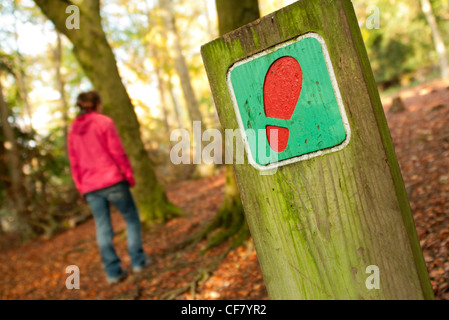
[37, 270]
[421, 138]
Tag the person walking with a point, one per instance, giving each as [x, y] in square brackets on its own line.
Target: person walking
[103, 175]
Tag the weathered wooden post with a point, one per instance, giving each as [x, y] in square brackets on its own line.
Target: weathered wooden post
[333, 213]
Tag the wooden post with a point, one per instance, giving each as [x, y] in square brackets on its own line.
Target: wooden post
[334, 213]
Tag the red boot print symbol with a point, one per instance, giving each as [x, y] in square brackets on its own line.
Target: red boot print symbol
[282, 88]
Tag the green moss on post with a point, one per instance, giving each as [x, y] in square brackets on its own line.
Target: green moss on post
[318, 224]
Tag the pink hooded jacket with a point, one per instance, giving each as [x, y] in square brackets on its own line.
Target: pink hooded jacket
[96, 154]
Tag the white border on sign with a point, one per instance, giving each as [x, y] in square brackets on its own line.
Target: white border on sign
[336, 92]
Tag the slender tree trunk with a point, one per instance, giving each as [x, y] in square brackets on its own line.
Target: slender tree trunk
[97, 60]
[4, 179]
[162, 88]
[174, 48]
[61, 84]
[159, 66]
[20, 77]
[11, 147]
[176, 106]
[230, 219]
[23, 91]
[17, 193]
[233, 14]
[437, 38]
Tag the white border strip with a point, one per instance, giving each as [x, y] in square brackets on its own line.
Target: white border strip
[336, 92]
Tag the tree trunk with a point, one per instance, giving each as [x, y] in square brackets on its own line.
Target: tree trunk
[18, 196]
[97, 59]
[232, 14]
[61, 84]
[176, 106]
[15, 171]
[174, 48]
[182, 69]
[20, 77]
[23, 91]
[437, 38]
[162, 89]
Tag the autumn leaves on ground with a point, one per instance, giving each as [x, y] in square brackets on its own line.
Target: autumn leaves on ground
[37, 270]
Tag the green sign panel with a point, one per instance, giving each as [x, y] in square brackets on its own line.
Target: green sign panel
[287, 103]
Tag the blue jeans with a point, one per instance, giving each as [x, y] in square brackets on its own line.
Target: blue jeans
[120, 196]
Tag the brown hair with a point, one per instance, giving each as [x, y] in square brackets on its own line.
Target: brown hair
[90, 96]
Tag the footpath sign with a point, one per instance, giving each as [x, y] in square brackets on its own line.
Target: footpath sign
[332, 220]
[291, 89]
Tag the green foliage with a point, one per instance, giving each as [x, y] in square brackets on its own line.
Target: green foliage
[47, 190]
[401, 48]
[43, 157]
[6, 63]
[388, 58]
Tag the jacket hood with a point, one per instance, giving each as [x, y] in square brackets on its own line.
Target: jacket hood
[83, 122]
